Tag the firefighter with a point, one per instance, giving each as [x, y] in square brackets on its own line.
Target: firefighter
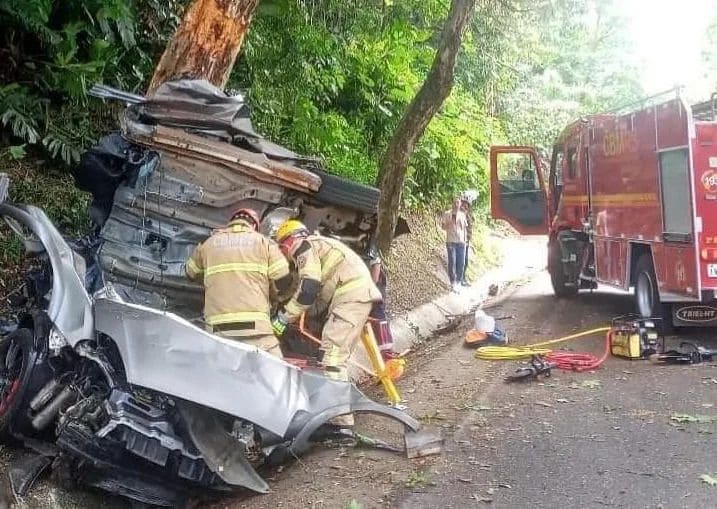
[238, 265]
[334, 278]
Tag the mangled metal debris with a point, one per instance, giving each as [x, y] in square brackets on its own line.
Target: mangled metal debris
[104, 375]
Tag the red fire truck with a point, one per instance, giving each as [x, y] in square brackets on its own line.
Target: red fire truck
[627, 200]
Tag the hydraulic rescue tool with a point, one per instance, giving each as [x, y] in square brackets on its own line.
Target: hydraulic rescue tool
[384, 372]
[538, 367]
[695, 355]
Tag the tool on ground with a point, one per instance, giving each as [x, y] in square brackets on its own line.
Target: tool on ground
[485, 331]
[538, 367]
[379, 366]
[382, 371]
[352, 438]
[696, 355]
[423, 442]
[569, 361]
[632, 337]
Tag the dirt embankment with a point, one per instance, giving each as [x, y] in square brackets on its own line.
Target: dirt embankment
[417, 262]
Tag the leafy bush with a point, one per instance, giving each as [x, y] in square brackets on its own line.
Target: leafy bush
[56, 50]
[328, 77]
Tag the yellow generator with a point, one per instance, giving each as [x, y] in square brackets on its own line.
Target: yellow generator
[632, 337]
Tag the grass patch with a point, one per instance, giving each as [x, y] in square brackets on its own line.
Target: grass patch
[418, 479]
[35, 182]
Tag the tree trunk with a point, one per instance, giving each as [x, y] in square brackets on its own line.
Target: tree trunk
[207, 42]
[424, 106]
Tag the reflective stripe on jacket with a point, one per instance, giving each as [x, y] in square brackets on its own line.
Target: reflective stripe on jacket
[237, 266]
[340, 272]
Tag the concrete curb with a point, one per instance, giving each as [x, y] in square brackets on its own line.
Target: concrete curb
[521, 258]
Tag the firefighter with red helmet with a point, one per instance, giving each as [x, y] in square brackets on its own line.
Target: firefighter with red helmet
[334, 278]
[237, 265]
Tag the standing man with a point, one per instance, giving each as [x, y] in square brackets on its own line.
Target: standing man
[332, 277]
[455, 224]
[237, 265]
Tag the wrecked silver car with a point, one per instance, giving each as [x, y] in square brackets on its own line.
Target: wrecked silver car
[185, 159]
[138, 401]
[105, 374]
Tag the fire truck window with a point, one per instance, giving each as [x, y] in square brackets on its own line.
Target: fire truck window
[556, 170]
[556, 175]
[520, 195]
[516, 172]
[675, 181]
[573, 170]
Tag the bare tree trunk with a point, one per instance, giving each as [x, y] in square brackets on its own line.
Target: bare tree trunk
[424, 106]
[207, 42]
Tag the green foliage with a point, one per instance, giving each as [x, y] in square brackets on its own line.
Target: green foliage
[565, 58]
[709, 53]
[333, 78]
[330, 78]
[56, 50]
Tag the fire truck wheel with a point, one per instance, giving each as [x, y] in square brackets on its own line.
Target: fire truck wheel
[561, 287]
[647, 297]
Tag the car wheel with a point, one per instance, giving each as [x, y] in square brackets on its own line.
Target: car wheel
[561, 288]
[15, 372]
[339, 191]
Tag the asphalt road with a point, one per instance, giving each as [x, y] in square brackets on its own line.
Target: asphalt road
[602, 439]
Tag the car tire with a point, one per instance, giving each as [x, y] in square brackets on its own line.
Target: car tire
[647, 295]
[336, 190]
[15, 372]
[557, 275]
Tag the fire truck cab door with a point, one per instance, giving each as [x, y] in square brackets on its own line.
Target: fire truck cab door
[517, 189]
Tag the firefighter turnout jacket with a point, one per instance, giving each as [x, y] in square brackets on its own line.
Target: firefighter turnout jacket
[330, 273]
[238, 265]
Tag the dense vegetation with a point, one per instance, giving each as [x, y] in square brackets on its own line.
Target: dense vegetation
[326, 77]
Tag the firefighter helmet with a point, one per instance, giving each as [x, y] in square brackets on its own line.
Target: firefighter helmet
[291, 228]
[245, 213]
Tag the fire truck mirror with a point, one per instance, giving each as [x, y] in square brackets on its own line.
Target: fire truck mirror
[521, 198]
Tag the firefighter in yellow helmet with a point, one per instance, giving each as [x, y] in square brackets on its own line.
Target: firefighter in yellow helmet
[331, 277]
[237, 265]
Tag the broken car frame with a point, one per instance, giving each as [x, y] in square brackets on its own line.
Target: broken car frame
[101, 375]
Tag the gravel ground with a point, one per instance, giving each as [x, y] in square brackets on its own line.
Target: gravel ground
[417, 263]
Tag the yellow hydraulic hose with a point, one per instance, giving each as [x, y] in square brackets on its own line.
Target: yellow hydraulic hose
[510, 353]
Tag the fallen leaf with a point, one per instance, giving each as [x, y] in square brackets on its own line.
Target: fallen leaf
[709, 479]
[700, 419]
[478, 408]
[591, 384]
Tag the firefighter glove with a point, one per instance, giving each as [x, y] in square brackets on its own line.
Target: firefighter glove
[278, 324]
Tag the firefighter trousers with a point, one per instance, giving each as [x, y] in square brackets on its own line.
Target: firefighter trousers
[339, 337]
